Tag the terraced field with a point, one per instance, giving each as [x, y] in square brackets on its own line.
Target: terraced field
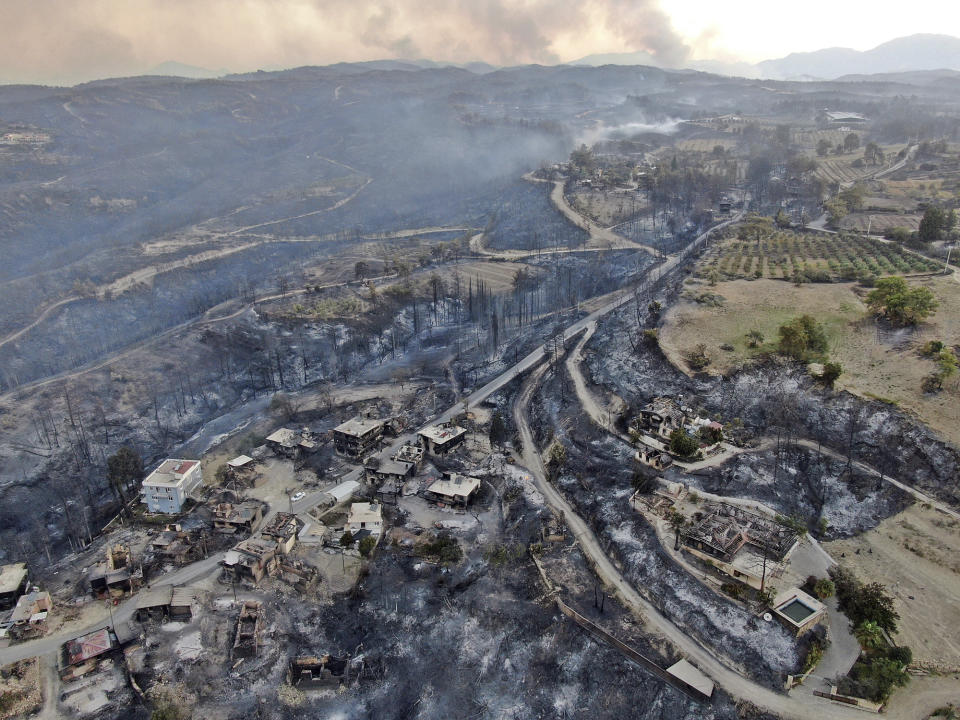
[815, 257]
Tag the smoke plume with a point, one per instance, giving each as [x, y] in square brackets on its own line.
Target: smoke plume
[68, 41]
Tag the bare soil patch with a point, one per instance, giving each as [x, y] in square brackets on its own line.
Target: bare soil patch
[916, 554]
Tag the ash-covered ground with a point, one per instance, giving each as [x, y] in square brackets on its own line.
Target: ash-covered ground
[597, 481]
[475, 639]
[781, 396]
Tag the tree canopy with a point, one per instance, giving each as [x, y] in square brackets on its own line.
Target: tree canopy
[802, 338]
[895, 300]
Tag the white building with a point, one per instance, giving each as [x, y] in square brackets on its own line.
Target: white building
[366, 516]
[167, 488]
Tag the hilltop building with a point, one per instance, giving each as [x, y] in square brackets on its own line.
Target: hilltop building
[167, 488]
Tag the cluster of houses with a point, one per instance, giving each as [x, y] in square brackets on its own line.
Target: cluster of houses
[659, 419]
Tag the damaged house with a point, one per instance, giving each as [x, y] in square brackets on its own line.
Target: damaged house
[748, 547]
[442, 439]
[282, 530]
[311, 672]
[245, 517]
[175, 546]
[115, 576]
[453, 490]
[83, 654]
[246, 642]
[290, 443]
[358, 437]
[251, 559]
[661, 417]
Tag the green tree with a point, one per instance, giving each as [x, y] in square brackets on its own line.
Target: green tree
[899, 303]
[871, 603]
[498, 429]
[346, 540]
[824, 588]
[124, 472]
[831, 371]
[683, 444]
[802, 337]
[851, 142]
[655, 308]
[360, 270]
[367, 544]
[932, 224]
[869, 635]
[823, 147]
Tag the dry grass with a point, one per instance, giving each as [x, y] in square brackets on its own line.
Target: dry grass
[878, 223]
[706, 145]
[916, 554]
[885, 366]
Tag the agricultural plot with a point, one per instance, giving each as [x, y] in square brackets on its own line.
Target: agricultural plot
[813, 258]
[706, 145]
[878, 223]
[840, 169]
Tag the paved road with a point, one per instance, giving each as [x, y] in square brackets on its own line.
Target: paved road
[122, 613]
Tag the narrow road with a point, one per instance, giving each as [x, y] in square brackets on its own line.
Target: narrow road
[800, 704]
[122, 613]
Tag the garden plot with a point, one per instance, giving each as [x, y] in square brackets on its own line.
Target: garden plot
[878, 223]
[818, 258]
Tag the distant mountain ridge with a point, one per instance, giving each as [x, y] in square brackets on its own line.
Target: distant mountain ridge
[905, 54]
[912, 53]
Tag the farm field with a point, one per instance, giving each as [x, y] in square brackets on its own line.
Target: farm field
[878, 223]
[916, 554]
[706, 145]
[821, 256]
[607, 207]
[882, 365]
[840, 169]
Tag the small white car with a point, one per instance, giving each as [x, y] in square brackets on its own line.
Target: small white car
[297, 497]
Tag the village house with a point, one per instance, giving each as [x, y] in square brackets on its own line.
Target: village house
[251, 559]
[310, 672]
[83, 654]
[746, 546]
[245, 517]
[240, 468]
[442, 439]
[30, 612]
[153, 603]
[656, 459]
[13, 583]
[290, 443]
[365, 517]
[247, 640]
[661, 417]
[181, 604]
[358, 437]
[453, 490]
[115, 576]
[282, 529]
[167, 488]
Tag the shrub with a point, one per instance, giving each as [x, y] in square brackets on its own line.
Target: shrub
[901, 304]
[802, 337]
[650, 338]
[346, 540]
[831, 371]
[864, 603]
[683, 444]
[443, 547]
[734, 590]
[931, 348]
[367, 545]
[824, 588]
[698, 358]
[901, 655]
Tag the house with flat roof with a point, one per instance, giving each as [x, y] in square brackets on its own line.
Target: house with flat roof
[366, 516]
[453, 489]
[441, 439]
[251, 559]
[167, 488]
[358, 437]
[13, 583]
[115, 575]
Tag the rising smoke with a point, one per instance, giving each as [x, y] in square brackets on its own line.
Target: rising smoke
[73, 40]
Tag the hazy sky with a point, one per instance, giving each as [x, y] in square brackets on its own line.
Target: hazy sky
[73, 40]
